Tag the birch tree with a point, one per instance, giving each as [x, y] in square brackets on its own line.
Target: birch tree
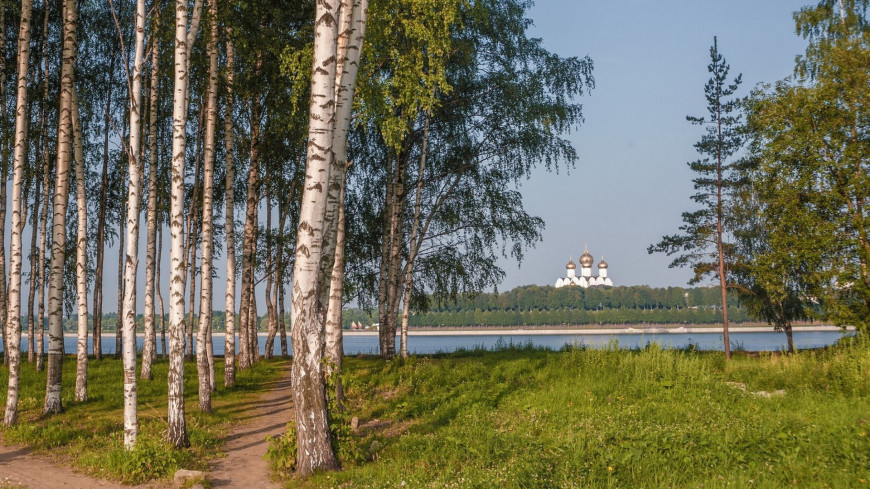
[205, 304]
[81, 389]
[230, 297]
[353, 25]
[184, 38]
[314, 450]
[4, 169]
[53, 402]
[131, 424]
[41, 278]
[14, 301]
[149, 347]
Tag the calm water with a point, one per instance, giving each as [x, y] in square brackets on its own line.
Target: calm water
[356, 344]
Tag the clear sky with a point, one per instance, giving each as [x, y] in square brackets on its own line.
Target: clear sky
[632, 183]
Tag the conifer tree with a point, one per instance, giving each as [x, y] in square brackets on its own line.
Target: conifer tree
[702, 243]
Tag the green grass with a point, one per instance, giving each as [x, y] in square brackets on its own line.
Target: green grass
[528, 418]
[89, 435]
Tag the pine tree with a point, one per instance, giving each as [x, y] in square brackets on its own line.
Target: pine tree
[702, 244]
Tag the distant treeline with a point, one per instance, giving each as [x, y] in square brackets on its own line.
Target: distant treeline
[534, 305]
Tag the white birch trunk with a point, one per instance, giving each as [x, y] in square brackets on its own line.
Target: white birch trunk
[271, 312]
[334, 333]
[350, 50]
[149, 350]
[4, 157]
[415, 244]
[14, 299]
[134, 193]
[205, 302]
[176, 429]
[81, 389]
[43, 219]
[230, 297]
[53, 402]
[314, 451]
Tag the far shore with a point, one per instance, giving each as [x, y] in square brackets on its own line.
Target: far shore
[571, 330]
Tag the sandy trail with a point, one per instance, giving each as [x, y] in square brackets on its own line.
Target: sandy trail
[243, 467]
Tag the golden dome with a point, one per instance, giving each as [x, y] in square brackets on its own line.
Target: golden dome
[586, 260]
[570, 265]
[602, 263]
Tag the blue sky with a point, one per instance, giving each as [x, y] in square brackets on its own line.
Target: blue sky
[632, 183]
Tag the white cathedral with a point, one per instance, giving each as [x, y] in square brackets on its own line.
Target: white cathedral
[585, 279]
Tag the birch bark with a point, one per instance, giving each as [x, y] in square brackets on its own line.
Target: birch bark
[14, 299]
[131, 423]
[149, 348]
[415, 245]
[271, 312]
[81, 389]
[246, 347]
[230, 297]
[43, 219]
[184, 38]
[350, 51]
[53, 402]
[205, 302]
[314, 451]
[4, 170]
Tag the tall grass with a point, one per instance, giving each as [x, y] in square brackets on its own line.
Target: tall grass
[521, 417]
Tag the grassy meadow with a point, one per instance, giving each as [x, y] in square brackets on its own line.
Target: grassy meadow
[516, 417]
[89, 435]
[526, 418]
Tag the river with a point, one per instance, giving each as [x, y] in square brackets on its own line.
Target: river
[443, 341]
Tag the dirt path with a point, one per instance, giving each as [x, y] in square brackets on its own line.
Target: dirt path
[243, 467]
[21, 469]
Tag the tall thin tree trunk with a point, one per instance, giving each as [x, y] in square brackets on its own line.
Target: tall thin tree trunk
[193, 234]
[230, 297]
[249, 241]
[184, 38]
[4, 171]
[415, 245]
[101, 223]
[131, 420]
[387, 330]
[203, 366]
[61, 198]
[283, 319]
[149, 348]
[253, 329]
[384, 265]
[81, 389]
[334, 334]
[723, 284]
[280, 271]
[122, 211]
[34, 275]
[270, 304]
[314, 452]
[14, 303]
[43, 219]
[193, 224]
[159, 293]
[350, 41]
